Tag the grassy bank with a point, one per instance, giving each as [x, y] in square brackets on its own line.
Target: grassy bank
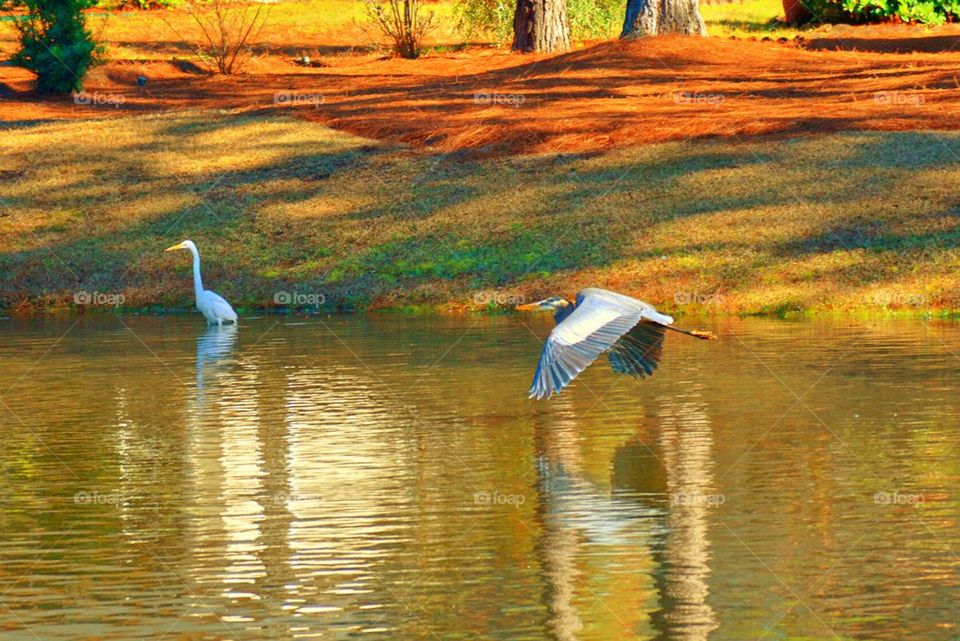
[860, 221]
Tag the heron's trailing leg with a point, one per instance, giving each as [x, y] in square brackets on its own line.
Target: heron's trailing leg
[704, 336]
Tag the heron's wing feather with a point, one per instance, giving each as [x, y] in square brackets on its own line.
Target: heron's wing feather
[639, 351]
[219, 305]
[591, 329]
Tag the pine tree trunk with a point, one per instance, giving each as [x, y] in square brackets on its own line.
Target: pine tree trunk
[541, 25]
[656, 17]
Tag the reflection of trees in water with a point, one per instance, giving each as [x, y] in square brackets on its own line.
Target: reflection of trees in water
[595, 544]
[686, 439]
[289, 466]
[347, 485]
[283, 472]
[657, 548]
[292, 485]
[559, 544]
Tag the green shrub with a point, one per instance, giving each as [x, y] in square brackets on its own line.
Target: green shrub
[856, 11]
[55, 44]
[493, 19]
[595, 19]
[486, 18]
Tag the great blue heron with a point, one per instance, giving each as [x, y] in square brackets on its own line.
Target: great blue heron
[629, 330]
[213, 306]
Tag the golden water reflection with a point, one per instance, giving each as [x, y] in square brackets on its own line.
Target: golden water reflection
[386, 477]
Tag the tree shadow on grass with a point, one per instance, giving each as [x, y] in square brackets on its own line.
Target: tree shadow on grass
[906, 150]
[409, 236]
[362, 223]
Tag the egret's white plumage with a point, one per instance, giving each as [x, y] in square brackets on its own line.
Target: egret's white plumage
[212, 305]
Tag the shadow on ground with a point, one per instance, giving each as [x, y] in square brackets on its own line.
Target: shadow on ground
[277, 204]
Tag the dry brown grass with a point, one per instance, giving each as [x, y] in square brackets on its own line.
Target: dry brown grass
[845, 221]
[684, 170]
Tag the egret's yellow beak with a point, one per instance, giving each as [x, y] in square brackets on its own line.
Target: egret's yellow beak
[529, 307]
[177, 246]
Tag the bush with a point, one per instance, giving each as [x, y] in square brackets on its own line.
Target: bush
[595, 19]
[225, 30]
[402, 22]
[856, 11]
[493, 19]
[486, 19]
[55, 44]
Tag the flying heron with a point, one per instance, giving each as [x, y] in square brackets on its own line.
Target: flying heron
[629, 330]
[213, 306]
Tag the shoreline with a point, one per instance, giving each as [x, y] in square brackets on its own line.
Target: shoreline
[453, 309]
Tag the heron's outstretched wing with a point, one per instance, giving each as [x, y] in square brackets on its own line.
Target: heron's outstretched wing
[595, 325]
[639, 351]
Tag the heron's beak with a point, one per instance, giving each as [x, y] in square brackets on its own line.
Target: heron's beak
[529, 307]
[177, 246]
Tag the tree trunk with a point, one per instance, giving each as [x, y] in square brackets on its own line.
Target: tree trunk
[656, 17]
[541, 25]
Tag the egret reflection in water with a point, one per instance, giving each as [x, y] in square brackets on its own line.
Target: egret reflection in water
[214, 350]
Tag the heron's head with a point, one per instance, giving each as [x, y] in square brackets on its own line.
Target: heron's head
[187, 244]
[552, 304]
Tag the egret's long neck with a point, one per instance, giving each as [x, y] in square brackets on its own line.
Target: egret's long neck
[197, 282]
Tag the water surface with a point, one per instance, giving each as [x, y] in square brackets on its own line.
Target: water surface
[385, 477]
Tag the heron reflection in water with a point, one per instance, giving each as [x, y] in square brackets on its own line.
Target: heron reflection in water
[643, 517]
[630, 331]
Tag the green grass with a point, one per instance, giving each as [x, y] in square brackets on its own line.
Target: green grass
[860, 221]
[751, 18]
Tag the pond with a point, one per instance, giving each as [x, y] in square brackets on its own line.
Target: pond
[385, 477]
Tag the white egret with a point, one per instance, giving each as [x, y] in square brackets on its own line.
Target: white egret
[629, 330]
[213, 306]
